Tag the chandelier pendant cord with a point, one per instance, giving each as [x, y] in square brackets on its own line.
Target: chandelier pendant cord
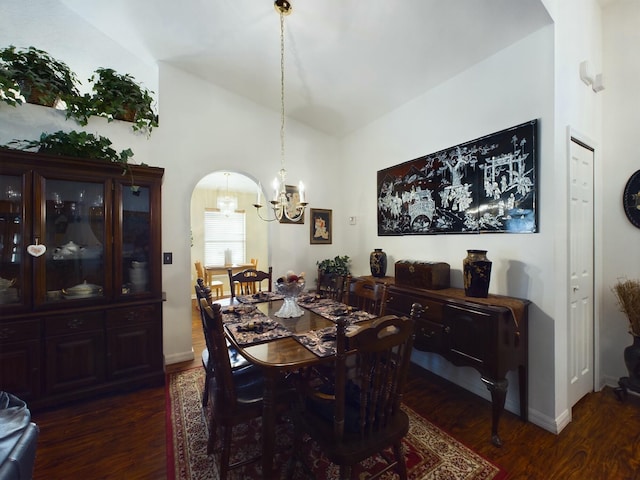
[282, 90]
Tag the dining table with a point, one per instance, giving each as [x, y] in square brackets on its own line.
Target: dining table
[212, 270]
[282, 345]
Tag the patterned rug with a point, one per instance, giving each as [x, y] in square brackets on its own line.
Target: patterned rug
[430, 453]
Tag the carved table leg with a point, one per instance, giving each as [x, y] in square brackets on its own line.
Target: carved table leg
[498, 391]
[268, 425]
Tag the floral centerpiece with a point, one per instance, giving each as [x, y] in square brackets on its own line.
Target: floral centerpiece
[290, 286]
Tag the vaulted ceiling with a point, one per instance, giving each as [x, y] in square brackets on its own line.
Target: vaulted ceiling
[347, 62]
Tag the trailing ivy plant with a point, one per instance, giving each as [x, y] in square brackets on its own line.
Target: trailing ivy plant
[79, 144]
[116, 96]
[34, 76]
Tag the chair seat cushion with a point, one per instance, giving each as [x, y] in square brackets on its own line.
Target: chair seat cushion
[324, 409]
[237, 360]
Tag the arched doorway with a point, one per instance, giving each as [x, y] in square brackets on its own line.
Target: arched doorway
[211, 224]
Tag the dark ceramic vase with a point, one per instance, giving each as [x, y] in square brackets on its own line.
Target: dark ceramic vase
[378, 263]
[632, 362]
[476, 268]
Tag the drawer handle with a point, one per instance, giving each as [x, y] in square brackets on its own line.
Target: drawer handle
[428, 334]
[6, 332]
[447, 330]
[75, 323]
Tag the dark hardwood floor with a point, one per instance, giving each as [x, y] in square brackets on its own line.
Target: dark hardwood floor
[123, 436]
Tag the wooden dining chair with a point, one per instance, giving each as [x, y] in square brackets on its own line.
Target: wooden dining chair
[234, 400]
[359, 415]
[366, 295]
[238, 282]
[330, 285]
[249, 287]
[239, 364]
[215, 285]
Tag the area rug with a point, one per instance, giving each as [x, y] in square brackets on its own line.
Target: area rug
[430, 453]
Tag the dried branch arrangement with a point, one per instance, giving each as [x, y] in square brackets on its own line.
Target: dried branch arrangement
[628, 294]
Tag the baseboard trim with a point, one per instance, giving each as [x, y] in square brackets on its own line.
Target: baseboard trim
[179, 357]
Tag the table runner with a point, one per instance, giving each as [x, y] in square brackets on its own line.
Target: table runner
[250, 326]
[259, 297]
[332, 309]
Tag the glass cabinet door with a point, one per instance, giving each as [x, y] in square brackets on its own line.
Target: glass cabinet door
[136, 237]
[74, 232]
[12, 246]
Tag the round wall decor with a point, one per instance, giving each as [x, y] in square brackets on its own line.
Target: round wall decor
[631, 199]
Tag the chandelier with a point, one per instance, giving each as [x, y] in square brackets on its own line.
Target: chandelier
[227, 204]
[287, 204]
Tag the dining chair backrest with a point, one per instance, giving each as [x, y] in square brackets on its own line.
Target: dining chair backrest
[357, 414]
[202, 291]
[214, 329]
[249, 281]
[330, 285]
[366, 295]
[199, 270]
[368, 391]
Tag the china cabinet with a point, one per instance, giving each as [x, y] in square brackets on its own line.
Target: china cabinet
[80, 277]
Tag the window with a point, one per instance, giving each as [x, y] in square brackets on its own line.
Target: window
[222, 234]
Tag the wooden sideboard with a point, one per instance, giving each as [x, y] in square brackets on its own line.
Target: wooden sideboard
[488, 334]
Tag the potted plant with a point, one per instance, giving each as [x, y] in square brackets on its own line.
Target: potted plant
[32, 75]
[117, 96]
[339, 265]
[330, 269]
[79, 144]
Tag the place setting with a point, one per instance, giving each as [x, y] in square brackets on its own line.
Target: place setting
[248, 325]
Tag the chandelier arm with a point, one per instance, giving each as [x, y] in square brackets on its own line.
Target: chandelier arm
[258, 207]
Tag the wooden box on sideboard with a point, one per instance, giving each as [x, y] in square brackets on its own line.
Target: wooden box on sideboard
[426, 275]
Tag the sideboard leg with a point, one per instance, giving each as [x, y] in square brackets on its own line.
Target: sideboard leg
[498, 389]
[524, 392]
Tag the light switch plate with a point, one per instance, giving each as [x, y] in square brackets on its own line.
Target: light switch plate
[167, 258]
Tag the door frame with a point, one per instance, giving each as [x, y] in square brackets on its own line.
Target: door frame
[577, 136]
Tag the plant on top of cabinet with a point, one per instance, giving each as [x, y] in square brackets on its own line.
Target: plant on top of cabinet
[79, 144]
[32, 75]
[117, 96]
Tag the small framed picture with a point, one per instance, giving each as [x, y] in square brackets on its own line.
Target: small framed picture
[321, 228]
[293, 200]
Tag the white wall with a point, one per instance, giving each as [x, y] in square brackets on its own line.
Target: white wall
[578, 37]
[621, 158]
[511, 87]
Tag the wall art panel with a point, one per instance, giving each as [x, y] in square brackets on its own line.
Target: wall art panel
[485, 185]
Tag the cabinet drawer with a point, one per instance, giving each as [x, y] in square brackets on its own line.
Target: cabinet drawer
[18, 331]
[399, 303]
[429, 336]
[73, 323]
[122, 317]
